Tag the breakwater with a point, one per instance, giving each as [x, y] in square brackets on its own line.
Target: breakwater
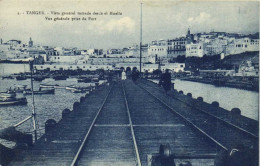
[232, 83]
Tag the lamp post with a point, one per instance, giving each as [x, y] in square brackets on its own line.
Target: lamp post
[141, 40]
[33, 105]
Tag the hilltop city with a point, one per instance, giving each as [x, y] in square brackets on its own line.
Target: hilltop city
[189, 53]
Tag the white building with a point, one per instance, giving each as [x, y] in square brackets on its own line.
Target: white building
[158, 49]
[216, 46]
[242, 45]
[66, 59]
[134, 51]
[173, 67]
[195, 50]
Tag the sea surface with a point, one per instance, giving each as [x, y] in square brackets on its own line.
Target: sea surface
[47, 106]
[228, 98]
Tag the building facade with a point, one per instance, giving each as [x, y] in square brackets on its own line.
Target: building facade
[195, 50]
[158, 49]
[176, 47]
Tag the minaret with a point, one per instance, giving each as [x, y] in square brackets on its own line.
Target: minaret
[30, 42]
[189, 36]
[188, 33]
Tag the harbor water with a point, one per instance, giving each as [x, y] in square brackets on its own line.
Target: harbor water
[6, 69]
[228, 98]
[47, 106]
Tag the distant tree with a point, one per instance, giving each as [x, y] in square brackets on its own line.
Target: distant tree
[181, 59]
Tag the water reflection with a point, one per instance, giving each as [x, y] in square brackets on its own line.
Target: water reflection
[228, 98]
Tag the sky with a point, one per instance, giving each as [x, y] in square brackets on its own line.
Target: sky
[161, 19]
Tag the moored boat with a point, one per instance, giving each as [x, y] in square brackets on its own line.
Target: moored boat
[20, 88]
[40, 91]
[86, 80]
[48, 86]
[21, 77]
[38, 78]
[60, 77]
[12, 101]
[95, 79]
[78, 90]
[7, 77]
[75, 89]
[9, 98]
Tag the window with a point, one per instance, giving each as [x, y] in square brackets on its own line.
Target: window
[70, 66]
[58, 57]
[41, 66]
[83, 66]
[54, 67]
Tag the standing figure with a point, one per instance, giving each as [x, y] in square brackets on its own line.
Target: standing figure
[166, 81]
[135, 75]
[123, 76]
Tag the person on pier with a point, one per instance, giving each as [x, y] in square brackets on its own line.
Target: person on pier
[123, 75]
[135, 75]
[166, 80]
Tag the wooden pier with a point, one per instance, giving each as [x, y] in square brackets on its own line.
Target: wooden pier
[126, 123]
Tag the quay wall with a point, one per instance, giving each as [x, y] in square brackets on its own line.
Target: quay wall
[54, 67]
[232, 84]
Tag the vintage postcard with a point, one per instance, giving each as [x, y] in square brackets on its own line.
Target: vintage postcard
[129, 83]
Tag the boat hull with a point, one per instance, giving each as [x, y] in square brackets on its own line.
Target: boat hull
[42, 92]
[17, 101]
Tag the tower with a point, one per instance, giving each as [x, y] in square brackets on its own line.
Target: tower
[189, 37]
[188, 33]
[30, 42]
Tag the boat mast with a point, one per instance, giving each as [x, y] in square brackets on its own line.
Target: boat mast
[141, 40]
[33, 105]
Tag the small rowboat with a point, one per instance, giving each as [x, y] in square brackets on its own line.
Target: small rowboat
[39, 78]
[7, 94]
[75, 89]
[4, 101]
[60, 77]
[7, 77]
[20, 88]
[86, 80]
[21, 77]
[48, 86]
[40, 92]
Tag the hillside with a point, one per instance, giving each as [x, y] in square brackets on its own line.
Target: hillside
[239, 59]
